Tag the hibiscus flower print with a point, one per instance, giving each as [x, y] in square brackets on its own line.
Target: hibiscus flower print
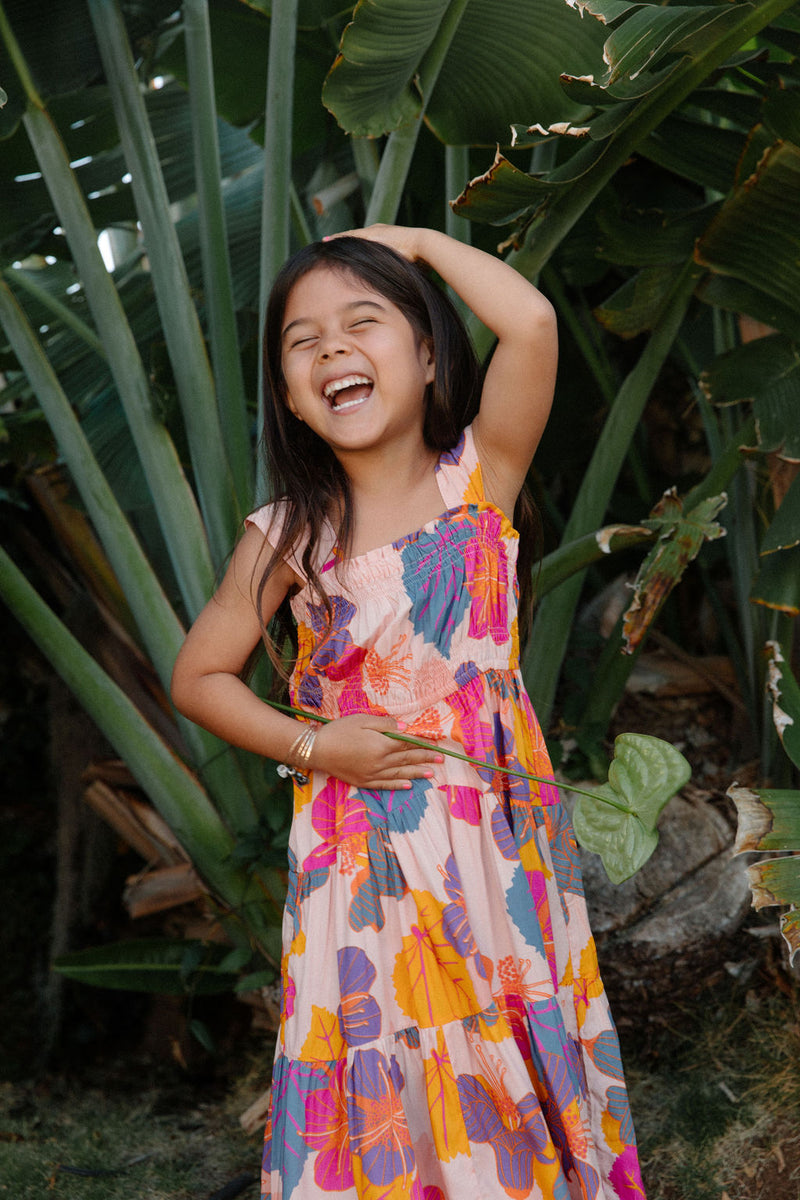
[326, 1131]
[433, 579]
[335, 655]
[486, 563]
[359, 1014]
[340, 818]
[378, 1126]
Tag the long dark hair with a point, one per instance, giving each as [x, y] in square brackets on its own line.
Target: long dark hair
[303, 472]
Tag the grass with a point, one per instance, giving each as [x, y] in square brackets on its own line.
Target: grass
[163, 1144]
[716, 1094]
[715, 1091]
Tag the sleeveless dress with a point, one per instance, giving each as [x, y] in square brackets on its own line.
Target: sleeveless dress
[444, 1030]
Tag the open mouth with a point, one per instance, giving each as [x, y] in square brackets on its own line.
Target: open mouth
[347, 392]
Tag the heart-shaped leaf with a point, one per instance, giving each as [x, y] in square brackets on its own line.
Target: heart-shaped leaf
[644, 774]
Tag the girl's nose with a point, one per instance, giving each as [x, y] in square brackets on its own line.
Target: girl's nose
[331, 346]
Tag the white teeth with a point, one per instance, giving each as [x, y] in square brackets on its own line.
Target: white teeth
[337, 385]
[348, 404]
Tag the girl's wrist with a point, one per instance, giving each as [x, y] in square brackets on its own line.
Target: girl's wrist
[298, 756]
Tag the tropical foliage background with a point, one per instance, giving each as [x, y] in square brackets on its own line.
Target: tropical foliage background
[158, 164]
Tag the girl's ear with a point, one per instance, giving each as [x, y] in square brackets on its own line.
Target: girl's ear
[430, 366]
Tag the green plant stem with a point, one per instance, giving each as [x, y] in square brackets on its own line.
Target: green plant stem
[456, 174]
[476, 762]
[399, 150]
[24, 280]
[218, 283]
[183, 335]
[276, 207]
[548, 641]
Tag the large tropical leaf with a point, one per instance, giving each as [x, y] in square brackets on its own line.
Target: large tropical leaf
[630, 101]
[501, 64]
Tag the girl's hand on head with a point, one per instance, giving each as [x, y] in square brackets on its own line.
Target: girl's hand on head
[355, 750]
[400, 238]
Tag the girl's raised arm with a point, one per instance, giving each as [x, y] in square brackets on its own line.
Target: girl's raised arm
[519, 383]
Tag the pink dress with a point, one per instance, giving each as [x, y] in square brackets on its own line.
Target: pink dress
[444, 1029]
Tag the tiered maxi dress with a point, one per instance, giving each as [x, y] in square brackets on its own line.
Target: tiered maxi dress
[444, 1030]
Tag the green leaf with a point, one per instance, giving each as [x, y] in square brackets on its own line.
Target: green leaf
[785, 693]
[738, 296]
[502, 64]
[649, 239]
[777, 584]
[775, 881]
[372, 87]
[704, 153]
[768, 819]
[150, 965]
[258, 979]
[184, 337]
[754, 236]
[680, 536]
[784, 530]
[790, 928]
[639, 304]
[767, 371]
[200, 1031]
[644, 775]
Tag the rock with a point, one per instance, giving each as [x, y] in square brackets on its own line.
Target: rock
[664, 933]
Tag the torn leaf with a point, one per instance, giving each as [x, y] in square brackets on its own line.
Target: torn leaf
[680, 537]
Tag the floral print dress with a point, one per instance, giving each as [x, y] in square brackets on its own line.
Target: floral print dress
[444, 1030]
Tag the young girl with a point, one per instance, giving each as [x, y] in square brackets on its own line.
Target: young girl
[444, 1030]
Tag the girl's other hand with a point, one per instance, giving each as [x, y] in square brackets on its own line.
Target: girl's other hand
[355, 750]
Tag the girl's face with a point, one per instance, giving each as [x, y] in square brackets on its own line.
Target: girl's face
[355, 369]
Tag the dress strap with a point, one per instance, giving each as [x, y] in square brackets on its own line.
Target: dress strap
[459, 473]
[270, 519]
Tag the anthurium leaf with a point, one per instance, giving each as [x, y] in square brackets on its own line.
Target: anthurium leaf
[785, 693]
[680, 536]
[158, 965]
[754, 236]
[644, 775]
